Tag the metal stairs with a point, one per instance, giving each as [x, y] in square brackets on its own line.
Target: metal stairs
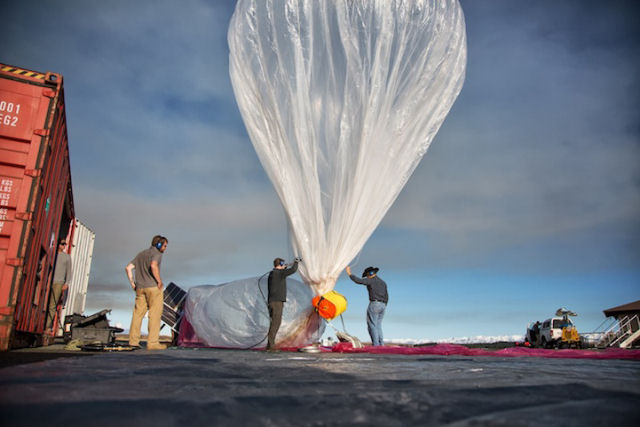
[622, 333]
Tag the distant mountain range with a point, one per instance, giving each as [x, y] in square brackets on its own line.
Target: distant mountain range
[480, 339]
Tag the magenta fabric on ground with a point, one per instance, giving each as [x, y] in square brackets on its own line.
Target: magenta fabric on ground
[460, 350]
[187, 336]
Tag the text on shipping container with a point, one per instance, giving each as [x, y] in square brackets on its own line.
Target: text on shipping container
[7, 111]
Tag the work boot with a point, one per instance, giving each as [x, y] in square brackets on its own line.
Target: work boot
[156, 347]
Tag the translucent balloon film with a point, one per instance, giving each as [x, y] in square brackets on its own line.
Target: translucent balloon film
[236, 315]
[341, 99]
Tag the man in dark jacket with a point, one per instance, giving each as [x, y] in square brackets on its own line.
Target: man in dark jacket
[378, 299]
[277, 296]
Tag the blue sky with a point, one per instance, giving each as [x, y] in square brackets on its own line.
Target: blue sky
[527, 200]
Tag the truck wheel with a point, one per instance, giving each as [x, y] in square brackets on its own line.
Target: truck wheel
[543, 343]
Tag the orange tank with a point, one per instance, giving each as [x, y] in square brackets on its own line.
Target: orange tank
[330, 305]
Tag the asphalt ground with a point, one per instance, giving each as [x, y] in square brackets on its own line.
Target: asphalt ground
[184, 387]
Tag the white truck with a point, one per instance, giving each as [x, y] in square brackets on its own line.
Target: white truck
[555, 332]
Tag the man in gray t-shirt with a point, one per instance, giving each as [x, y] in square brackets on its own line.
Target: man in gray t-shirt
[61, 279]
[148, 287]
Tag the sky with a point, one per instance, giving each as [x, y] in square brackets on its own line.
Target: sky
[527, 200]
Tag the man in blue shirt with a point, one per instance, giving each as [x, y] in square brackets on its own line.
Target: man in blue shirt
[378, 299]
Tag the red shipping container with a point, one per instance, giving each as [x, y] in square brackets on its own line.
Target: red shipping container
[36, 200]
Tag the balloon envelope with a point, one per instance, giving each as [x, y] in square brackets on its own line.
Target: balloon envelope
[236, 315]
[341, 99]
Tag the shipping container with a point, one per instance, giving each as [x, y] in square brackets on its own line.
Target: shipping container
[81, 240]
[36, 199]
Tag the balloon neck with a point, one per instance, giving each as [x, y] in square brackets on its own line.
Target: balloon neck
[321, 287]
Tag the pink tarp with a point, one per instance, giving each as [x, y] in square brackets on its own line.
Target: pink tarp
[460, 350]
[188, 338]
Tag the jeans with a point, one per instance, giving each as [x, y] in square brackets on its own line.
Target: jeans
[375, 313]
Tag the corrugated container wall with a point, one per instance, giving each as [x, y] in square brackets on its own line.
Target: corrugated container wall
[82, 240]
[36, 200]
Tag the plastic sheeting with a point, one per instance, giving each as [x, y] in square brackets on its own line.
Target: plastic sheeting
[236, 315]
[460, 350]
[341, 99]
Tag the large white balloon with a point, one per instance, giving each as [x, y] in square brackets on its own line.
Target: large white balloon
[341, 100]
[236, 315]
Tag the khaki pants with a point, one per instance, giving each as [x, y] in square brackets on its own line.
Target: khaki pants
[147, 299]
[54, 297]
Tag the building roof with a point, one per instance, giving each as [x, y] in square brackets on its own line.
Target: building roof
[632, 307]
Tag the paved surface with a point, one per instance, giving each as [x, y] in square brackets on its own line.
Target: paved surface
[227, 387]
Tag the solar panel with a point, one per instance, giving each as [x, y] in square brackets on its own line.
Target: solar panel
[174, 298]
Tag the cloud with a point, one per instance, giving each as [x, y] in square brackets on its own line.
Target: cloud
[115, 296]
[207, 237]
[534, 169]
[542, 141]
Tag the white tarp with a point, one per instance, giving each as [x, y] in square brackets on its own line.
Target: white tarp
[235, 314]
